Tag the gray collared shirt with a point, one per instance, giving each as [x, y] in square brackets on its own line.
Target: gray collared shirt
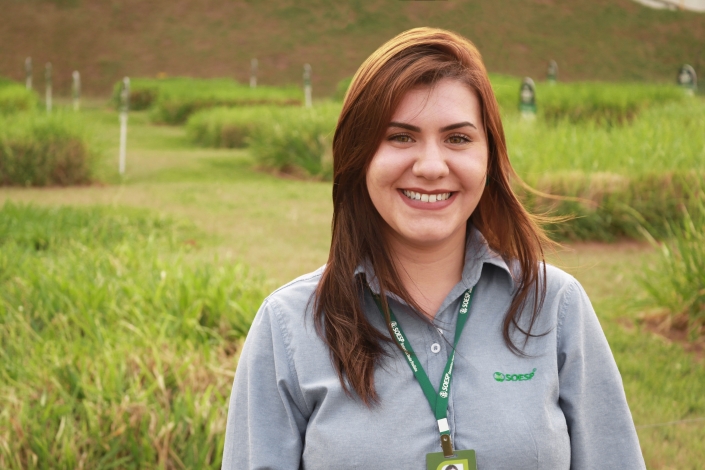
[563, 406]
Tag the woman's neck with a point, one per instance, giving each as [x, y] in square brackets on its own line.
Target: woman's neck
[429, 272]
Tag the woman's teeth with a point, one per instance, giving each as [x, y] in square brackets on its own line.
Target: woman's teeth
[426, 197]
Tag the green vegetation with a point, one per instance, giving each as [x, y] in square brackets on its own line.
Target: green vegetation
[676, 282]
[173, 100]
[605, 104]
[40, 150]
[609, 206]
[624, 177]
[15, 97]
[292, 140]
[228, 127]
[342, 88]
[116, 348]
[661, 138]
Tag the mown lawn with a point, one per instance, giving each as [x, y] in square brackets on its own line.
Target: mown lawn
[280, 229]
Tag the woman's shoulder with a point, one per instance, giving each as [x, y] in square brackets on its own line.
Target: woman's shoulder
[292, 300]
[562, 287]
[301, 288]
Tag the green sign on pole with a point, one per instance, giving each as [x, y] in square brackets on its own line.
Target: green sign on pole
[688, 79]
[527, 98]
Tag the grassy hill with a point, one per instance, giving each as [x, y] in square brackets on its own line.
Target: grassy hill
[590, 39]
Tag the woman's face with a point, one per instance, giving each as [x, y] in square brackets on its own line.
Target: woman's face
[428, 174]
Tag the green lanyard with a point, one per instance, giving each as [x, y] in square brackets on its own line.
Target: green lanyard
[438, 402]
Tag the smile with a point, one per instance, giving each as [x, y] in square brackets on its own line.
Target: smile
[423, 197]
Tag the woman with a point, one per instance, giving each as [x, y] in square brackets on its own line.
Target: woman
[435, 335]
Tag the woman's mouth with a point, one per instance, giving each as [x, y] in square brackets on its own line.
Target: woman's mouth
[425, 197]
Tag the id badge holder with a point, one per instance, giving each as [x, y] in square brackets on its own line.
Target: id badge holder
[461, 460]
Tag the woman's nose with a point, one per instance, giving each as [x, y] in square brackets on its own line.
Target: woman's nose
[430, 163]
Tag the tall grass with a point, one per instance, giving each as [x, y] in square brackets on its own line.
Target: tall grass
[15, 97]
[609, 206]
[173, 100]
[39, 150]
[676, 283]
[227, 127]
[662, 138]
[297, 140]
[116, 350]
[606, 104]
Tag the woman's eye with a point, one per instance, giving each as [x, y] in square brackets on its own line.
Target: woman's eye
[458, 139]
[401, 138]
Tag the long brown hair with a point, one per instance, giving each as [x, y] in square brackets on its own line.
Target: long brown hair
[421, 56]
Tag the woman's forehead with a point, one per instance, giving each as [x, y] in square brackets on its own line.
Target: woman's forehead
[447, 99]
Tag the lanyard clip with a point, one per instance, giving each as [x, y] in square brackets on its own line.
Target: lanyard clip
[447, 446]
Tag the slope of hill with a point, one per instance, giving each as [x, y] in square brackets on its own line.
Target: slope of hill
[106, 39]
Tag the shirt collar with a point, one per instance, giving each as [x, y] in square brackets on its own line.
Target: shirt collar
[477, 253]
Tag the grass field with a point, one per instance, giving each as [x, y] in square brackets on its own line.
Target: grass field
[280, 229]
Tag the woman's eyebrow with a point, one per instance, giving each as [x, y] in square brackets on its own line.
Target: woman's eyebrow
[458, 125]
[405, 126]
[442, 129]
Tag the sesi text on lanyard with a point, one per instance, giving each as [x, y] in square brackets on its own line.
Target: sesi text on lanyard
[438, 402]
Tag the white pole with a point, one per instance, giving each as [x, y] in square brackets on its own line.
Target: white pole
[307, 85]
[76, 90]
[28, 73]
[253, 73]
[47, 78]
[125, 99]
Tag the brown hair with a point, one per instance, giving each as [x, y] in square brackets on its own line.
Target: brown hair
[421, 56]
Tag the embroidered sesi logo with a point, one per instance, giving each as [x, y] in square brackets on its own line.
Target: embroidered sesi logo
[500, 377]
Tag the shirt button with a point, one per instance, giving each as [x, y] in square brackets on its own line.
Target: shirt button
[435, 348]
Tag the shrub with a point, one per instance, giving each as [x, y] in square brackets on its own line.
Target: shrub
[15, 97]
[41, 150]
[117, 346]
[227, 127]
[297, 140]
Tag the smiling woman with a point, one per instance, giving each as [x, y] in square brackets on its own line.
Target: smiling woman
[435, 276]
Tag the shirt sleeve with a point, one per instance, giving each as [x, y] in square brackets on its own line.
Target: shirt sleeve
[266, 416]
[602, 433]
